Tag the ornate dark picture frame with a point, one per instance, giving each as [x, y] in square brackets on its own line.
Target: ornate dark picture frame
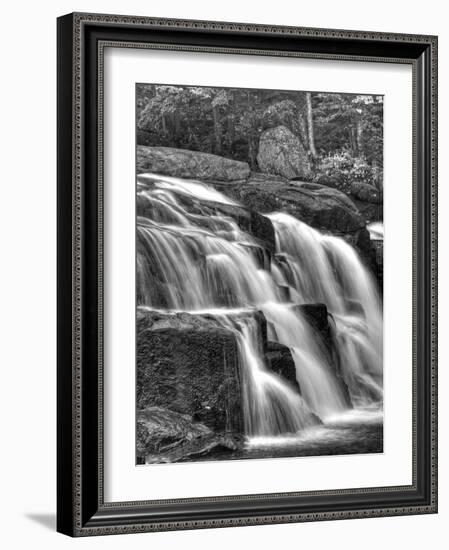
[81, 510]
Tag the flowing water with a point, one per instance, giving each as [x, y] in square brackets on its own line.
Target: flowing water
[192, 255]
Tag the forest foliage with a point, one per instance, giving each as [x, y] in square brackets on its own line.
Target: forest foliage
[341, 133]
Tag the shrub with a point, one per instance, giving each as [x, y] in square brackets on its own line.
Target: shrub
[341, 169]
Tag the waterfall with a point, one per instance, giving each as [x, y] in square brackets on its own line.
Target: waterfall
[192, 255]
[326, 269]
[319, 387]
[270, 406]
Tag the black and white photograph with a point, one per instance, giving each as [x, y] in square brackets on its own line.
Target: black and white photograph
[259, 273]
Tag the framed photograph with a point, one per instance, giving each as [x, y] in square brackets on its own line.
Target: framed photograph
[247, 280]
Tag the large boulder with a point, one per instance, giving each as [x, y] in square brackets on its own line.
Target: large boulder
[317, 205]
[167, 436]
[189, 364]
[282, 153]
[183, 163]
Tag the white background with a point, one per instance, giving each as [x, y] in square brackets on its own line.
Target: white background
[27, 301]
[123, 481]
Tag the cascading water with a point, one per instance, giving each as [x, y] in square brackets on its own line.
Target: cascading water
[326, 269]
[319, 387]
[193, 256]
[270, 406]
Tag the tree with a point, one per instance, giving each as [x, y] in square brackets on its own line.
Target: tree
[349, 122]
[230, 121]
[310, 132]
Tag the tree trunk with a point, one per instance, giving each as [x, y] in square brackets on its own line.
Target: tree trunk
[252, 150]
[231, 124]
[252, 153]
[217, 130]
[177, 127]
[310, 125]
[359, 132]
[303, 132]
[353, 141]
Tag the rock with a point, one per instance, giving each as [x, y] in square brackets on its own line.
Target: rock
[159, 429]
[316, 315]
[322, 323]
[378, 247]
[167, 436]
[333, 181]
[189, 364]
[327, 207]
[319, 206]
[143, 137]
[370, 211]
[247, 219]
[260, 255]
[362, 241]
[257, 178]
[282, 153]
[285, 292]
[259, 226]
[208, 445]
[367, 250]
[262, 228]
[262, 325]
[366, 192]
[279, 359]
[183, 163]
